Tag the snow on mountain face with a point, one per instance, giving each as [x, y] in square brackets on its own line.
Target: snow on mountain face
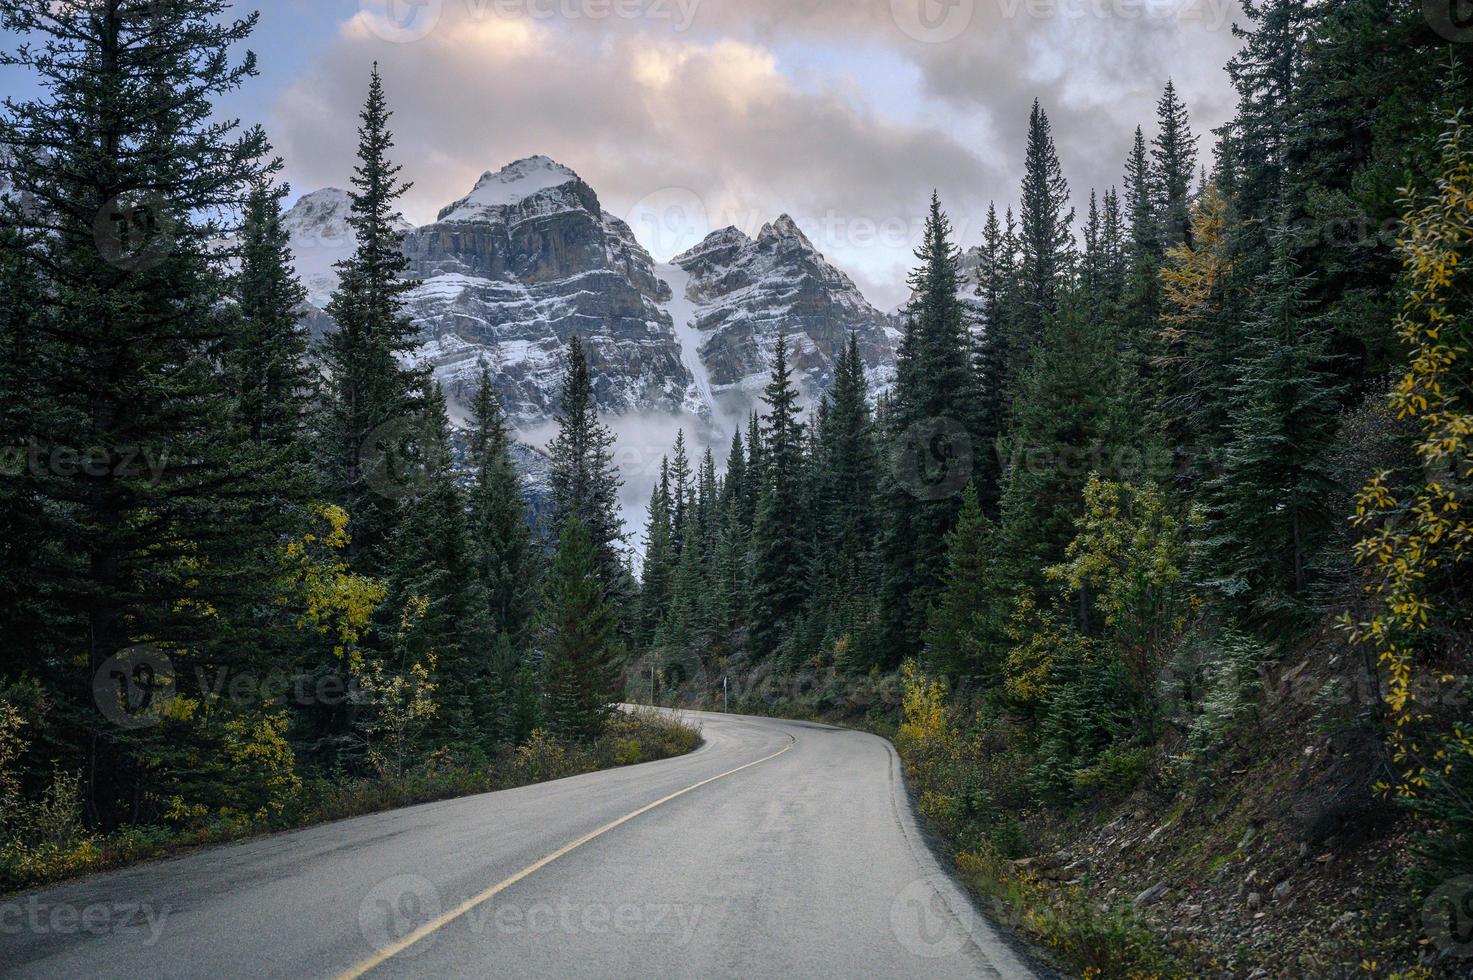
[321, 237]
[745, 292]
[514, 270]
[529, 258]
[511, 185]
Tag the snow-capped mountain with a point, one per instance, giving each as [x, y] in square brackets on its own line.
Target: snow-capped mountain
[321, 237]
[733, 295]
[529, 258]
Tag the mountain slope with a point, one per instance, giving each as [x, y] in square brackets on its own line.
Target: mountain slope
[528, 258]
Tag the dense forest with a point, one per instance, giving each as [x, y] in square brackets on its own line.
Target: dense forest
[249, 579]
[1150, 456]
[1121, 481]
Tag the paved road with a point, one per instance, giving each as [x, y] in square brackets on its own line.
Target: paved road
[778, 849]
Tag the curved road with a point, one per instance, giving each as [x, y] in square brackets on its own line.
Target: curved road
[777, 849]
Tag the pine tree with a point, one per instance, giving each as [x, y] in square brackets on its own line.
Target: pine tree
[22, 619]
[433, 582]
[373, 406]
[659, 560]
[272, 377]
[501, 538]
[777, 544]
[708, 501]
[148, 536]
[585, 483]
[1266, 72]
[994, 366]
[1173, 165]
[1144, 220]
[1045, 238]
[755, 473]
[1073, 416]
[1267, 508]
[929, 414]
[582, 656]
[682, 490]
[850, 474]
[963, 635]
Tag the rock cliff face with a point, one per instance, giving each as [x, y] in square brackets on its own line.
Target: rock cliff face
[741, 293]
[529, 258]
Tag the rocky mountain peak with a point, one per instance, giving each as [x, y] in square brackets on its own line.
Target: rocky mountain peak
[784, 229]
[723, 240]
[513, 185]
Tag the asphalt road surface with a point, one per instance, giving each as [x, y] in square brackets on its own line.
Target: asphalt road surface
[778, 849]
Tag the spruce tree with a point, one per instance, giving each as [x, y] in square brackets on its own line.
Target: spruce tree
[585, 484]
[851, 472]
[582, 656]
[501, 538]
[1045, 238]
[777, 545]
[1173, 165]
[144, 482]
[273, 379]
[659, 560]
[1073, 417]
[964, 628]
[373, 402]
[929, 414]
[1144, 221]
[994, 365]
[682, 491]
[434, 593]
[1267, 507]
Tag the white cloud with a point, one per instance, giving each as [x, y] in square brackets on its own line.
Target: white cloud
[831, 111]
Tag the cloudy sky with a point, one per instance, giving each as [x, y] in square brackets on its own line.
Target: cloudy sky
[688, 115]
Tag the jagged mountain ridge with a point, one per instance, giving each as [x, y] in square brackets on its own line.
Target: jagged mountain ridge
[508, 273]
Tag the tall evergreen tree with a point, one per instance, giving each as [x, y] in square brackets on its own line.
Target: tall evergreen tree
[272, 377]
[929, 414]
[1045, 238]
[963, 629]
[501, 537]
[994, 366]
[434, 592]
[373, 401]
[1267, 508]
[1173, 165]
[582, 656]
[778, 559]
[1144, 221]
[147, 525]
[1073, 416]
[659, 559]
[585, 483]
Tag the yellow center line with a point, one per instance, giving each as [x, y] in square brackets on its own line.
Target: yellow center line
[377, 960]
